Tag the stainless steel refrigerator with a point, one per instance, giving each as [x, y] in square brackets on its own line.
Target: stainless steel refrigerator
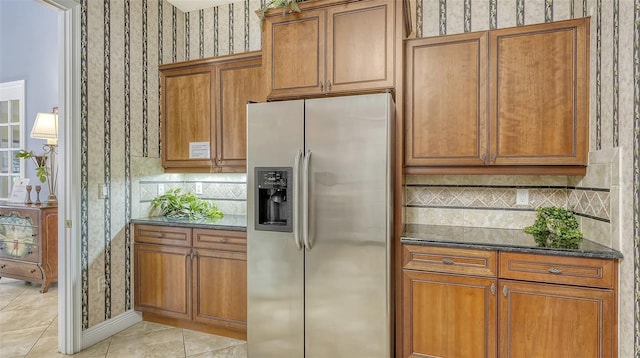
[319, 224]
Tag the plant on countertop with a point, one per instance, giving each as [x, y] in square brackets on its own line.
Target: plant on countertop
[176, 204]
[555, 227]
[292, 5]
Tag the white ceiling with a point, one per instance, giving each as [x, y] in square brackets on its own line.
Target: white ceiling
[192, 5]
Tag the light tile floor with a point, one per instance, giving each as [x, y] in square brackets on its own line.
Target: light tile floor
[29, 328]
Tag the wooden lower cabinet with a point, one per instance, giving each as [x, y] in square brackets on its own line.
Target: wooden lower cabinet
[220, 288]
[444, 310]
[544, 320]
[181, 283]
[531, 305]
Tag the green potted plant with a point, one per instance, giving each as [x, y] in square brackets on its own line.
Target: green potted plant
[555, 227]
[176, 204]
[42, 172]
[292, 5]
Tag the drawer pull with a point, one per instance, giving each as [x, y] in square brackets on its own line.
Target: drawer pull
[3, 266]
[493, 288]
[447, 261]
[505, 291]
[32, 271]
[555, 271]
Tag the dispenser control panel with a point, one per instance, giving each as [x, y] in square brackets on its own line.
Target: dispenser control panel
[273, 194]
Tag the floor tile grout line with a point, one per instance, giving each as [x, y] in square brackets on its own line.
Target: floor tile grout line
[42, 334]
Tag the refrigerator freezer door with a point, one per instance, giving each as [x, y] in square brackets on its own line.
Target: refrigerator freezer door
[275, 264]
[347, 269]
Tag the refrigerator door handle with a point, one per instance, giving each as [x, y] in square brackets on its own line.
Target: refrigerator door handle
[305, 199]
[296, 200]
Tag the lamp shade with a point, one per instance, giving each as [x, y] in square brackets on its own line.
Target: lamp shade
[46, 127]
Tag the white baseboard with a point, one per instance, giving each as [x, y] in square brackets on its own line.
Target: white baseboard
[108, 328]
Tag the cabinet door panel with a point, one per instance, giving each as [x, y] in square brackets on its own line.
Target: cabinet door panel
[187, 115]
[295, 53]
[238, 82]
[539, 94]
[359, 46]
[162, 277]
[541, 320]
[446, 120]
[220, 288]
[449, 315]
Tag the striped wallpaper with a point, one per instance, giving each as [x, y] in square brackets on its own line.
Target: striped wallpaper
[124, 41]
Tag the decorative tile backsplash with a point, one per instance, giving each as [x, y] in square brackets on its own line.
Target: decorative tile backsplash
[588, 202]
[227, 191]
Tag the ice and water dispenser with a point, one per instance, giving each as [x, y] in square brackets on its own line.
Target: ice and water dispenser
[273, 193]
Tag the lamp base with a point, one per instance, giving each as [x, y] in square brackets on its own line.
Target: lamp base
[52, 200]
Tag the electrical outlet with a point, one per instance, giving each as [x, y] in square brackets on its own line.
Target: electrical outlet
[522, 197]
[160, 189]
[198, 188]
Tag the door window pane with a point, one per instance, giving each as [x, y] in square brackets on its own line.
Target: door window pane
[11, 129]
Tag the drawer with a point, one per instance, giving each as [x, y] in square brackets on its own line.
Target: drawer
[23, 249]
[162, 235]
[20, 270]
[450, 260]
[220, 240]
[577, 271]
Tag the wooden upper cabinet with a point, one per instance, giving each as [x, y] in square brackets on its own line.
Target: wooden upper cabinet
[507, 101]
[238, 83]
[294, 53]
[539, 94]
[446, 97]
[187, 115]
[331, 46]
[204, 105]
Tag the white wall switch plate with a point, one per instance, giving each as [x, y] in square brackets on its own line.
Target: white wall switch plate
[198, 188]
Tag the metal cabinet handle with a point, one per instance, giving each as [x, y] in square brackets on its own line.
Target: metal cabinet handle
[296, 200]
[32, 271]
[493, 158]
[493, 288]
[447, 261]
[192, 254]
[321, 86]
[305, 199]
[328, 86]
[555, 271]
[484, 158]
[505, 291]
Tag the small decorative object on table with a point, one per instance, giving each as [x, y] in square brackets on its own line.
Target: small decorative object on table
[38, 188]
[555, 227]
[28, 202]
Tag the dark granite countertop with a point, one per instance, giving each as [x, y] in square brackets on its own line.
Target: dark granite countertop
[496, 239]
[227, 222]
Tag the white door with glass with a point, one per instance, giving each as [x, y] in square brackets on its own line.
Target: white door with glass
[11, 135]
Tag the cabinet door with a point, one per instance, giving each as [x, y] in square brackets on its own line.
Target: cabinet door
[162, 280]
[294, 53]
[542, 320]
[539, 89]
[360, 45]
[238, 82]
[446, 116]
[220, 288]
[449, 315]
[188, 117]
